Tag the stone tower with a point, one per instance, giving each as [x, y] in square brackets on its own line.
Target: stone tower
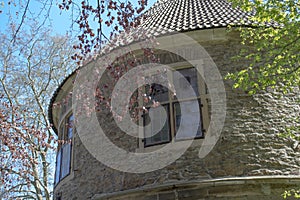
[223, 143]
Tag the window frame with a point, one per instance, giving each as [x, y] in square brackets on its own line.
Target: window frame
[202, 98]
[198, 99]
[169, 131]
[64, 136]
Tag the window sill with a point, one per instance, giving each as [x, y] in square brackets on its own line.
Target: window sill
[177, 144]
[66, 179]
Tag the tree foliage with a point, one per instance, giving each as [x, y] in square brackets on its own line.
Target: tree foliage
[24, 149]
[100, 21]
[291, 193]
[272, 52]
[32, 65]
[274, 42]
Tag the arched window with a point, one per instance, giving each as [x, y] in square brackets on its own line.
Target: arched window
[64, 153]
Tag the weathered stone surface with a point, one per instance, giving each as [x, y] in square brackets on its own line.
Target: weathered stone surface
[220, 189]
[248, 147]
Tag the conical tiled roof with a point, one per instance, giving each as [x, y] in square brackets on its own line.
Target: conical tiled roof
[183, 15]
[167, 16]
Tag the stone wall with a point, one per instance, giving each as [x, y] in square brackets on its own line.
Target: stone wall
[249, 148]
[245, 188]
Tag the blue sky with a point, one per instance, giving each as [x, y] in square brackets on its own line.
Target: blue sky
[58, 25]
[59, 21]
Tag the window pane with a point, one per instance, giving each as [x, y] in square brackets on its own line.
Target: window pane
[70, 125]
[157, 92]
[66, 160]
[191, 121]
[184, 81]
[58, 164]
[156, 86]
[156, 123]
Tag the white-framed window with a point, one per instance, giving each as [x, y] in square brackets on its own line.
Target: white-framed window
[181, 115]
[64, 153]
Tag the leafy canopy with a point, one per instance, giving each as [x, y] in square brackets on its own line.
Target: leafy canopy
[273, 46]
[271, 53]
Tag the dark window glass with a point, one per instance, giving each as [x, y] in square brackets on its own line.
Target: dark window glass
[64, 155]
[186, 126]
[184, 114]
[58, 164]
[186, 83]
[157, 92]
[70, 125]
[156, 125]
[66, 160]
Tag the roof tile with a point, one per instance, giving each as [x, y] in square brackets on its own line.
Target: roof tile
[182, 15]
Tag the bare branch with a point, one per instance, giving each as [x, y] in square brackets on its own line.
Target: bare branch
[21, 23]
